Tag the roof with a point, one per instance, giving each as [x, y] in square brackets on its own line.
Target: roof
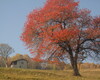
[18, 60]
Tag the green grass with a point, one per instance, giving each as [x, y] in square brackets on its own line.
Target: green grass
[28, 74]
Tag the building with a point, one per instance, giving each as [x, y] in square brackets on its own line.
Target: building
[20, 63]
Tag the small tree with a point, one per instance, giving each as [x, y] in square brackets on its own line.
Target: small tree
[5, 51]
[61, 29]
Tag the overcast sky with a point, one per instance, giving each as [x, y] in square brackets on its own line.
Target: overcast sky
[13, 16]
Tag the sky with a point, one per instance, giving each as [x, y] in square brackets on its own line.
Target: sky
[13, 14]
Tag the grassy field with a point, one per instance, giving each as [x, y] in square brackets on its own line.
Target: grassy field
[28, 74]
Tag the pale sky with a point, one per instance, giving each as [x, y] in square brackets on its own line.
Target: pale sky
[13, 16]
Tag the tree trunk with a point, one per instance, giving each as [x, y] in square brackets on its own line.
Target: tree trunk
[6, 65]
[5, 62]
[76, 70]
[74, 66]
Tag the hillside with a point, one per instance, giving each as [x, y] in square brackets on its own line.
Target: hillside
[27, 74]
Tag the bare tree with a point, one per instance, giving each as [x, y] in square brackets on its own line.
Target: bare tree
[5, 51]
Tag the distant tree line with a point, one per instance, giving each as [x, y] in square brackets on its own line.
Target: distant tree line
[51, 65]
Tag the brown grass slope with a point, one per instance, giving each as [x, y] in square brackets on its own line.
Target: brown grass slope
[28, 74]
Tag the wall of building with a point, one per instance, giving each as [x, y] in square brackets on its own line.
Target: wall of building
[20, 64]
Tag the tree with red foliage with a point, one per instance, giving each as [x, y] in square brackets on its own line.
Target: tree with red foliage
[60, 29]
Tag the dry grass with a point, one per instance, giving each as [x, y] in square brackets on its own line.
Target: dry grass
[27, 74]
